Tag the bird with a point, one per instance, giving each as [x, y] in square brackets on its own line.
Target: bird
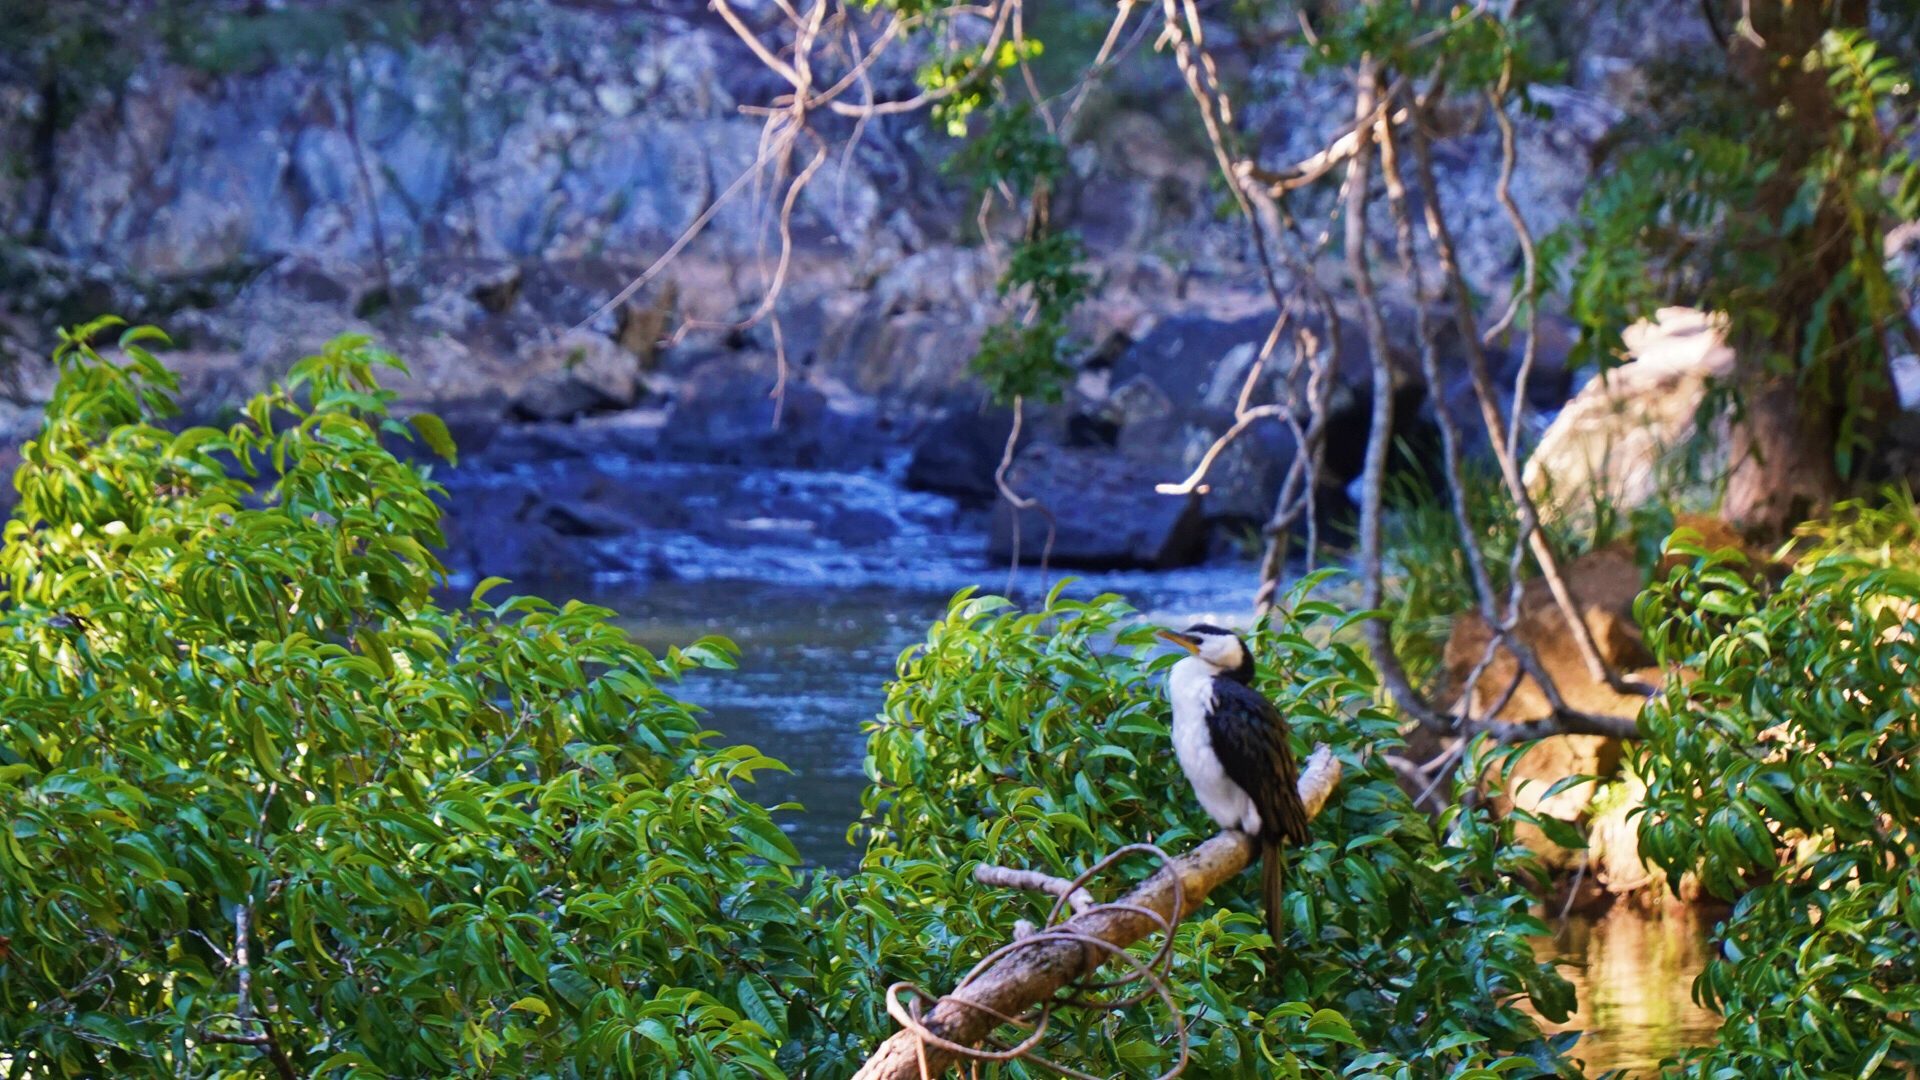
[1233, 748]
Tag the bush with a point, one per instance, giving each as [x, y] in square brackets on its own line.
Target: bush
[1040, 740]
[272, 810]
[1785, 776]
[457, 841]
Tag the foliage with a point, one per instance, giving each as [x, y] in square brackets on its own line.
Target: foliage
[967, 76]
[1025, 358]
[463, 842]
[1038, 740]
[1430, 580]
[1731, 202]
[1785, 777]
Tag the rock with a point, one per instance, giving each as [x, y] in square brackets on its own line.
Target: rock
[1906, 381]
[494, 532]
[577, 518]
[1182, 359]
[1604, 584]
[958, 453]
[581, 372]
[1622, 436]
[725, 415]
[1105, 513]
[1244, 480]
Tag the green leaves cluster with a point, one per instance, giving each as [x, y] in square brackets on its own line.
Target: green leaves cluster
[1785, 777]
[464, 842]
[1039, 740]
[1773, 217]
[1026, 358]
[488, 842]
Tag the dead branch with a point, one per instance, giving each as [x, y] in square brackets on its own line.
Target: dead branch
[1033, 971]
[1490, 413]
[1006, 877]
[1380, 429]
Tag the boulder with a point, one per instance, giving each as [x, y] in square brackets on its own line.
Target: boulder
[578, 373]
[1104, 512]
[1623, 438]
[725, 414]
[958, 453]
[1244, 480]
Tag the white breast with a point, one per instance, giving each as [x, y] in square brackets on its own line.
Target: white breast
[1190, 687]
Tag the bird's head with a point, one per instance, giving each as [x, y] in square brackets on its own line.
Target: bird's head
[1220, 649]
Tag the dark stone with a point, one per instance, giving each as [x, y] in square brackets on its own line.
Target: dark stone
[489, 530]
[958, 454]
[1180, 354]
[497, 294]
[559, 397]
[1095, 431]
[584, 519]
[303, 279]
[728, 419]
[1104, 511]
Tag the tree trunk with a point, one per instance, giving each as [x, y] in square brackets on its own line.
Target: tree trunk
[1786, 460]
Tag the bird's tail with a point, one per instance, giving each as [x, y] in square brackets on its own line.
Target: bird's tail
[1273, 871]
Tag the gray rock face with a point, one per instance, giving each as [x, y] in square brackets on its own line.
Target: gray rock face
[1105, 515]
[470, 202]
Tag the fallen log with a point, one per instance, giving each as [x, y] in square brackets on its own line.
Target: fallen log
[1038, 968]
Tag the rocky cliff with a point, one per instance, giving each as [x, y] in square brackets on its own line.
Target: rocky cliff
[469, 197]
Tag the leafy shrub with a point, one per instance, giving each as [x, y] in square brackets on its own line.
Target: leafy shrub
[270, 809]
[457, 841]
[1785, 776]
[1037, 740]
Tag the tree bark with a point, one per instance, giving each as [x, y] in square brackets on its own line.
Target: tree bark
[1025, 977]
[1783, 449]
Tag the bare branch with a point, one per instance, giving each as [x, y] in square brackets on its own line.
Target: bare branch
[1490, 414]
[1033, 970]
[1006, 877]
[1380, 430]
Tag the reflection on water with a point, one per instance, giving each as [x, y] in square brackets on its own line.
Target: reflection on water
[1634, 975]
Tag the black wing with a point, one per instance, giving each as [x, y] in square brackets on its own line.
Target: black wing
[1250, 738]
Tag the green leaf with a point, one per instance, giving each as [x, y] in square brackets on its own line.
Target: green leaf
[434, 430]
[533, 1005]
[764, 838]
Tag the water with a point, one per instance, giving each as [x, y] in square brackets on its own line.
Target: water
[815, 661]
[1634, 976]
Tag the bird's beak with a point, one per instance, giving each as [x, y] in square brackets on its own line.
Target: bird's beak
[1190, 644]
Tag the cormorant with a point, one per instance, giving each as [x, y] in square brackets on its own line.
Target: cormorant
[1232, 744]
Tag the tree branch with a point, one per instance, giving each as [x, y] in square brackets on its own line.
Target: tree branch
[1033, 971]
[1006, 877]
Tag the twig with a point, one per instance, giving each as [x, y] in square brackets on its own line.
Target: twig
[1490, 414]
[1006, 877]
[1380, 432]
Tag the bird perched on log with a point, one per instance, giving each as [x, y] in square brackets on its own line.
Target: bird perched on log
[1232, 744]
